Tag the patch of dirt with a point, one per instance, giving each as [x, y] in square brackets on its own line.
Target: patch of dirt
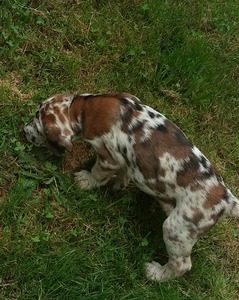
[78, 158]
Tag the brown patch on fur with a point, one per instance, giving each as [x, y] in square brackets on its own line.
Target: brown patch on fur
[196, 218]
[172, 141]
[173, 238]
[67, 131]
[214, 217]
[52, 132]
[138, 132]
[105, 155]
[194, 209]
[98, 113]
[168, 138]
[190, 173]
[160, 186]
[148, 162]
[48, 119]
[214, 196]
[135, 113]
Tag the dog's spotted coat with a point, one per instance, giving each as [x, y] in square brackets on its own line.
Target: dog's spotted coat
[138, 144]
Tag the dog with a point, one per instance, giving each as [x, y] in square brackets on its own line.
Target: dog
[133, 142]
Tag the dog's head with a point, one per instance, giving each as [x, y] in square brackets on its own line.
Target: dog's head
[51, 126]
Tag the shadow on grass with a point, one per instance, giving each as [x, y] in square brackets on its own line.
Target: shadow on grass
[145, 213]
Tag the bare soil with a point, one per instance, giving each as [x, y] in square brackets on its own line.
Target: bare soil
[81, 155]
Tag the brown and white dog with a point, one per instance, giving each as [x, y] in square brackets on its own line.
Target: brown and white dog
[136, 143]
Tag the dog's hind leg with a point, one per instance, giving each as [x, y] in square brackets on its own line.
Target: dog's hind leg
[180, 232]
[179, 243]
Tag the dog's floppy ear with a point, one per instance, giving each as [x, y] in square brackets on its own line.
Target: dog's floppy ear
[57, 142]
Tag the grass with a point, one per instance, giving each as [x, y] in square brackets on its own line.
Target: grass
[181, 57]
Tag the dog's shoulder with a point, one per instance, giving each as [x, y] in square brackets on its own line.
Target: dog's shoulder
[102, 112]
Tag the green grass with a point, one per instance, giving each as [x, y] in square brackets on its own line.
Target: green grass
[181, 57]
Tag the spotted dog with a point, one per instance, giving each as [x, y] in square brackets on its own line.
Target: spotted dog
[135, 143]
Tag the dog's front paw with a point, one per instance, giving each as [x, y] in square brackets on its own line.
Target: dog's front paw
[154, 271]
[85, 180]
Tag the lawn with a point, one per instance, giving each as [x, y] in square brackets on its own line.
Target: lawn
[180, 57]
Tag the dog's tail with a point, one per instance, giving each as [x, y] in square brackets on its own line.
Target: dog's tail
[231, 205]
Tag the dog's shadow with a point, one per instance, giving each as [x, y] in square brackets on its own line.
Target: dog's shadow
[148, 217]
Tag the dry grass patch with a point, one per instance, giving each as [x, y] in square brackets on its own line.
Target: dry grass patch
[13, 84]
